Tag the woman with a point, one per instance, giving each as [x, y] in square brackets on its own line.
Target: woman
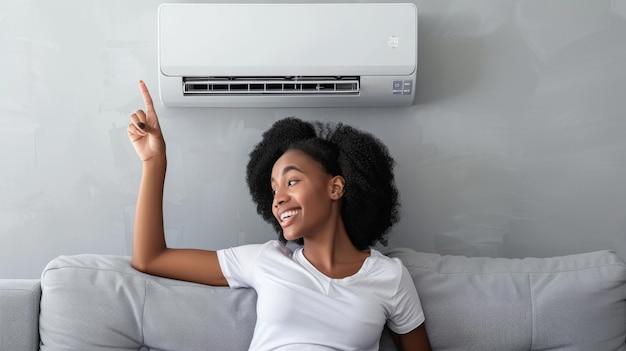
[329, 188]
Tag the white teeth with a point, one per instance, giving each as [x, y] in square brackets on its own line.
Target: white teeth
[287, 214]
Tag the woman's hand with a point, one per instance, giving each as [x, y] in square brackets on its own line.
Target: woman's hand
[144, 131]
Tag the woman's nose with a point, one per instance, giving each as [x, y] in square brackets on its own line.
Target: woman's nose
[279, 198]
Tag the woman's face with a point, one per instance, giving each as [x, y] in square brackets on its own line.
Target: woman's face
[303, 195]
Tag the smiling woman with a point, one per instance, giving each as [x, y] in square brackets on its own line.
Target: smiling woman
[328, 187]
[369, 202]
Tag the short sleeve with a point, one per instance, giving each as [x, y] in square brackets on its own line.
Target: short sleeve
[237, 263]
[407, 314]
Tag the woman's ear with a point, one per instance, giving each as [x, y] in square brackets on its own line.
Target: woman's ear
[337, 184]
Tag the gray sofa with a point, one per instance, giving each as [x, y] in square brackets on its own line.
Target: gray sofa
[96, 302]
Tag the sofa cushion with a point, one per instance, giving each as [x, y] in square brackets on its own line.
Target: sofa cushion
[574, 302]
[96, 302]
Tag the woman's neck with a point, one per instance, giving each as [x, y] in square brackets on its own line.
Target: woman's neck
[334, 254]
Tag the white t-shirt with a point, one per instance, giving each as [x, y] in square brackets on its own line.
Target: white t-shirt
[299, 308]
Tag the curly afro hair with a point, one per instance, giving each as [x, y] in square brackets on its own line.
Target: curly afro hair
[370, 203]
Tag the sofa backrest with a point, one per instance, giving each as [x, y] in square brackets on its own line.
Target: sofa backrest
[96, 302]
[574, 302]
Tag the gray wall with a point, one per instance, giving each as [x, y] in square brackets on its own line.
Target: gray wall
[516, 145]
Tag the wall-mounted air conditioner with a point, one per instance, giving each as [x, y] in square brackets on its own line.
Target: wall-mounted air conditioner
[287, 55]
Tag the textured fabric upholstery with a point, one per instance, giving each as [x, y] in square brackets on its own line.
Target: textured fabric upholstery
[19, 314]
[575, 302]
[95, 302]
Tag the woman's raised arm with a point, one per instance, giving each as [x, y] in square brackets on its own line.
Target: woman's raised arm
[150, 252]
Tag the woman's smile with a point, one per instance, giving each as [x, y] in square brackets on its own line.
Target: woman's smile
[288, 216]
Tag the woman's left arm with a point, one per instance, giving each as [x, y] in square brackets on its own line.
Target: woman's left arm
[415, 340]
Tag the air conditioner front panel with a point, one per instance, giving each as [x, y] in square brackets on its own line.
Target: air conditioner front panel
[199, 40]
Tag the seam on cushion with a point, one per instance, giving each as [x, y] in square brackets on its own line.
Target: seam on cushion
[136, 274]
[143, 311]
[19, 289]
[428, 268]
[532, 313]
[133, 274]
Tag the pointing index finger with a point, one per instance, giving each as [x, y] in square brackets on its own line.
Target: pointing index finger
[147, 99]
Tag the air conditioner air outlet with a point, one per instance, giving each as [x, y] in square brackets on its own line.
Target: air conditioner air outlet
[335, 85]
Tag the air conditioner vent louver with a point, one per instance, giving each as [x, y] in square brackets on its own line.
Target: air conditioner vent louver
[271, 85]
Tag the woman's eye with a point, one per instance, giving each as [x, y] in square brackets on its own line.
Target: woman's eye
[291, 182]
[273, 192]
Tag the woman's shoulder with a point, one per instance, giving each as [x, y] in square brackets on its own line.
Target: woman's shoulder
[277, 247]
[381, 274]
[273, 248]
[382, 265]
[383, 259]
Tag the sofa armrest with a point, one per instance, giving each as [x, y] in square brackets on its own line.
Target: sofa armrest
[19, 314]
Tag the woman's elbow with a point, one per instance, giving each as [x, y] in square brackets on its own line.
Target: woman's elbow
[140, 265]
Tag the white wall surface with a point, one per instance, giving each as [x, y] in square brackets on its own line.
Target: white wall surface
[515, 146]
